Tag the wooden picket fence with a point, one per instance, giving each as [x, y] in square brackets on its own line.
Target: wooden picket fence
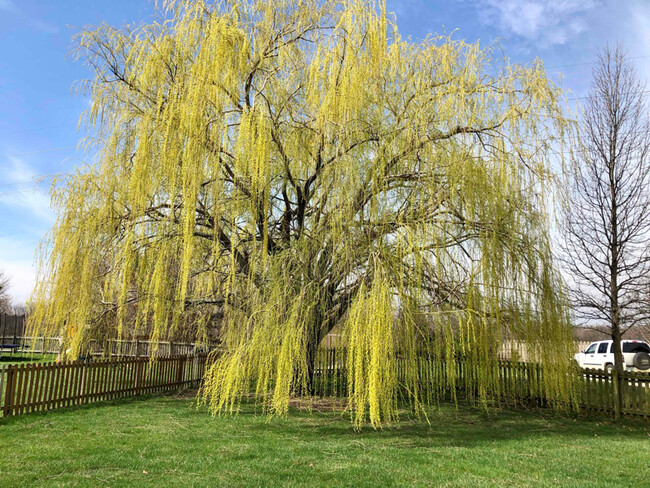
[519, 383]
[35, 387]
[601, 392]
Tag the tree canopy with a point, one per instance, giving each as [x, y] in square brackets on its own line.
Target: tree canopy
[284, 168]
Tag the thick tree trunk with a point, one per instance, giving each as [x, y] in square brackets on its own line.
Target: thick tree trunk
[615, 314]
[618, 365]
[618, 355]
[314, 337]
[313, 342]
[323, 322]
[321, 327]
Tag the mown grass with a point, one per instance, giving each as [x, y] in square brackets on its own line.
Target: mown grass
[166, 441]
[20, 358]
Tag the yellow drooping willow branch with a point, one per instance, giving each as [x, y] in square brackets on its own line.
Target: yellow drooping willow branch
[271, 171]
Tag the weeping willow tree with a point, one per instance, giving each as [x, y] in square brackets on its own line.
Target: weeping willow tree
[284, 168]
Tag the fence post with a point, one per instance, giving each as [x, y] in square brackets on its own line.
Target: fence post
[617, 394]
[181, 367]
[138, 376]
[9, 390]
[195, 369]
[2, 379]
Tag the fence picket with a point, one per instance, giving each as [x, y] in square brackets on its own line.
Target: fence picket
[32, 388]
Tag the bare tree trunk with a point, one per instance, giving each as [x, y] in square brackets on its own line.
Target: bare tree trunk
[613, 283]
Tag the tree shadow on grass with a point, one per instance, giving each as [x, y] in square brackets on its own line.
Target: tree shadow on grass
[457, 425]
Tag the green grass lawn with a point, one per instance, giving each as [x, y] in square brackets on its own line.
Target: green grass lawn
[24, 357]
[165, 441]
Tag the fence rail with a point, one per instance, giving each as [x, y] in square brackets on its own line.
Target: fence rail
[112, 347]
[36, 387]
[139, 348]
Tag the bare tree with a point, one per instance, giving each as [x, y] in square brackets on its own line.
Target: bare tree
[607, 222]
[5, 299]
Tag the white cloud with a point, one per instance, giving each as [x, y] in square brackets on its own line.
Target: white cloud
[22, 275]
[547, 22]
[26, 217]
[34, 23]
[33, 199]
[9, 6]
[17, 261]
[46, 27]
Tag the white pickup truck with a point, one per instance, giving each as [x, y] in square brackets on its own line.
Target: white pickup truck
[600, 355]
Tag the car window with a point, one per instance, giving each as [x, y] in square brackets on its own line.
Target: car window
[591, 349]
[635, 347]
[611, 347]
[602, 348]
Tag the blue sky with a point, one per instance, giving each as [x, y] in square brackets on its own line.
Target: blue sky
[39, 110]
